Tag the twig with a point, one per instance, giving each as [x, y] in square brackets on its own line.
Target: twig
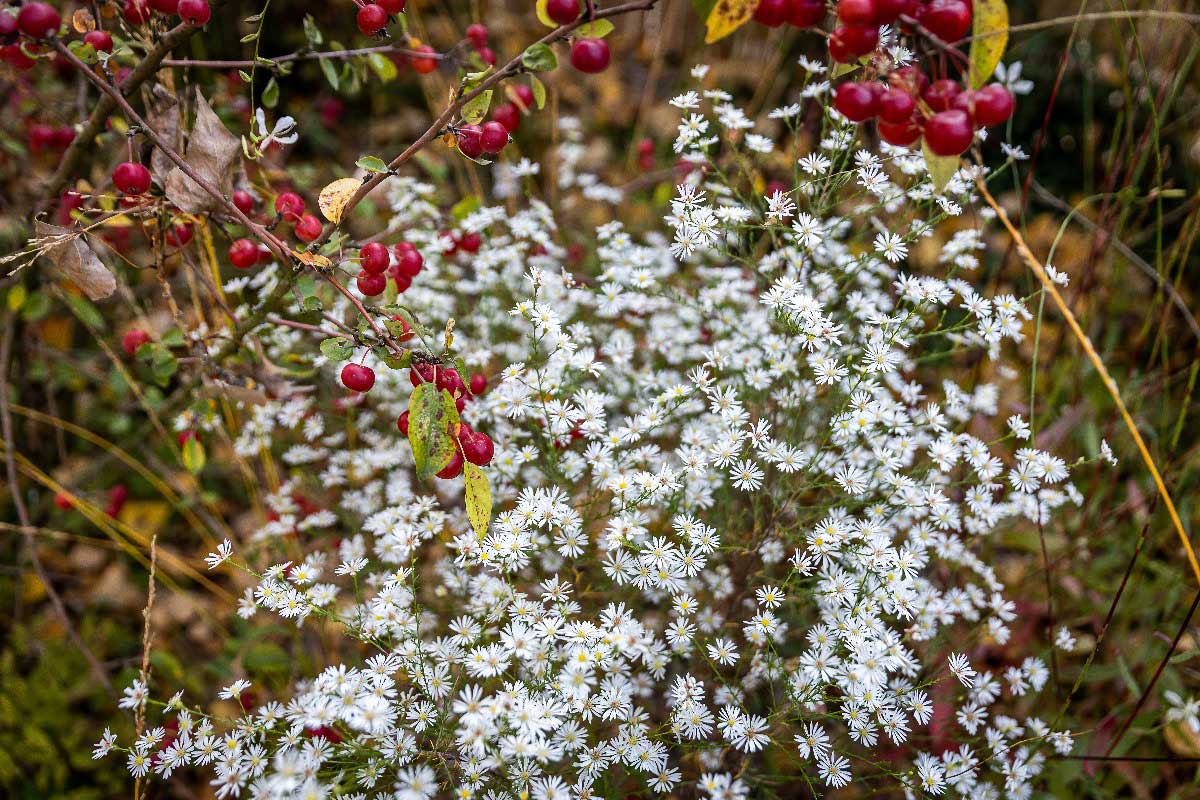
[297, 56]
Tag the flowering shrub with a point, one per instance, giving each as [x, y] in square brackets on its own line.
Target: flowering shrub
[700, 506]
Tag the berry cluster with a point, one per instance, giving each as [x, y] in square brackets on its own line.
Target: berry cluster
[477, 35]
[378, 265]
[373, 15]
[192, 12]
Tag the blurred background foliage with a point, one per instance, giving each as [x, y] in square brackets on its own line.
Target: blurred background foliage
[1111, 191]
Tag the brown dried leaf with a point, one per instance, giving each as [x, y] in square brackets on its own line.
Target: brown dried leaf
[72, 256]
[213, 152]
[163, 117]
[83, 21]
[312, 259]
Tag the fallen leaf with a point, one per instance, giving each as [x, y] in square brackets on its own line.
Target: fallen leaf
[212, 151]
[334, 197]
[74, 258]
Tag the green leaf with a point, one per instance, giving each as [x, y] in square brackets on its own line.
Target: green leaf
[371, 164]
[36, 307]
[989, 37]
[245, 76]
[331, 74]
[173, 337]
[596, 29]
[539, 58]
[193, 455]
[86, 312]
[384, 67]
[270, 95]
[478, 495]
[266, 657]
[466, 206]
[539, 92]
[249, 37]
[337, 348]
[427, 429]
[941, 168]
[162, 365]
[397, 362]
[311, 32]
[474, 111]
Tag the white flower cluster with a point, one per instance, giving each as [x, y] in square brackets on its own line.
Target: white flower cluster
[742, 485]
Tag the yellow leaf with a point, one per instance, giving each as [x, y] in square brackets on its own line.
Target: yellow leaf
[312, 259]
[941, 168]
[726, 17]
[543, 16]
[478, 495]
[193, 455]
[989, 37]
[145, 516]
[335, 196]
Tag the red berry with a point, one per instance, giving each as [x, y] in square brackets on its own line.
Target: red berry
[949, 133]
[308, 228]
[101, 41]
[402, 423]
[165, 6]
[524, 96]
[179, 235]
[855, 101]
[371, 285]
[564, 12]
[195, 12]
[421, 373]
[8, 24]
[590, 55]
[477, 448]
[133, 339]
[454, 468]
[940, 94]
[38, 20]
[493, 136]
[408, 331]
[371, 19]
[860, 39]
[187, 433]
[477, 34]
[469, 242]
[487, 56]
[137, 12]
[509, 116]
[375, 259]
[243, 254]
[888, 11]
[901, 135]
[771, 13]
[17, 58]
[358, 378]
[478, 383]
[470, 143]
[423, 64]
[244, 201]
[806, 13]
[290, 206]
[993, 105]
[949, 20]
[131, 177]
[63, 501]
[392, 7]
[116, 499]
[856, 12]
[402, 283]
[409, 263]
[896, 106]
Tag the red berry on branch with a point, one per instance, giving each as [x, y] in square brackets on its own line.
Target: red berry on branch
[244, 201]
[392, 7]
[806, 13]
[860, 39]
[949, 133]
[994, 104]
[308, 228]
[371, 19]
[949, 20]
[131, 178]
[402, 423]
[888, 11]
[8, 24]
[487, 56]
[422, 373]
[493, 137]
[101, 41]
[63, 501]
[454, 468]
[409, 263]
[524, 96]
[855, 101]
[165, 6]
[509, 116]
[289, 205]
[896, 106]
[856, 12]
[133, 339]
[38, 20]
[407, 332]
[358, 378]
[195, 12]
[477, 448]
[564, 12]
[243, 254]
[771, 13]
[402, 283]
[137, 12]
[478, 383]
[901, 135]
[478, 34]
[940, 94]
[371, 285]
[470, 242]
[423, 63]
[179, 235]
[375, 258]
[590, 55]
[470, 143]
[16, 58]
